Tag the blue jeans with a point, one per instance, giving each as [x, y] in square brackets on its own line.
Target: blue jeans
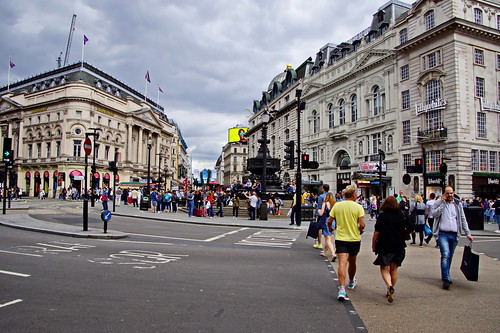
[191, 208]
[447, 244]
[252, 213]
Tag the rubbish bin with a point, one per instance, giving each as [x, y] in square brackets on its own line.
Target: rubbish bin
[306, 212]
[145, 203]
[475, 217]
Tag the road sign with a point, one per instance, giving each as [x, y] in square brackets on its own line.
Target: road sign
[106, 215]
[87, 146]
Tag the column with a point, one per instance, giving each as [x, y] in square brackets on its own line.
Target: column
[140, 157]
[128, 158]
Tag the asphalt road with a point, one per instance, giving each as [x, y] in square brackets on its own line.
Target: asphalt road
[169, 277]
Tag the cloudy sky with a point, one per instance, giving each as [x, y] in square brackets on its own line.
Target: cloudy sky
[211, 58]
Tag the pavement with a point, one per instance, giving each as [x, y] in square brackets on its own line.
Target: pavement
[421, 305]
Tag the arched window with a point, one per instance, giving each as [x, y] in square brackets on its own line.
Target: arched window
[341, 112]
[287, 135]
[403, 36]
[315, 122]
[354, 108]
[377, 101]
[330, 115]
[478, 16]
[429, 20]
[432, 91]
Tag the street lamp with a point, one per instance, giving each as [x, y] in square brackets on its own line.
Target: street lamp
[265, 121]
[150, 144]
[160, 155]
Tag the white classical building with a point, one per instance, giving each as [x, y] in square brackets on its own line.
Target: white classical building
[421, 82]
[49, 116]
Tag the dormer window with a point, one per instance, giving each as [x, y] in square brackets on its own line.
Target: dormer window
[429, 20]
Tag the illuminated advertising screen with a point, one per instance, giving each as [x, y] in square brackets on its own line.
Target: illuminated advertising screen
[238, 134]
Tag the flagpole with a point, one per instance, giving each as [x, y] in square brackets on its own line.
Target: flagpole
[8, 75]
[158, 99]
[146, 91]
[83, 48]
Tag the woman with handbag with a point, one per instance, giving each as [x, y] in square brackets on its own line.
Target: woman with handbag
[324, 214]
[419, 208]
[388, 243]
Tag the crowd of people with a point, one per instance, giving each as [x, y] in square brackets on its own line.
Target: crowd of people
[397, 221]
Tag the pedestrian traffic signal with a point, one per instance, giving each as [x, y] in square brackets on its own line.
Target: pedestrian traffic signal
[290, 153]
[305, 161]
[443, 169]
[8, 154]
[419, 165]
[112, 167]
[93, 169]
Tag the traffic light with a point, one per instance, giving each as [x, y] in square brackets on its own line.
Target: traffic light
[290, 153]
[93, 169]
[419, 165]
[305, 161]
[443, 169]
[7, 154]
[10, 160]
[112, 167]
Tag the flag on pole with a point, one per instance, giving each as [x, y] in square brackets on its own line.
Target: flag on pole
[85, 39]
[159, 88]
[147, 77]
[11, 64]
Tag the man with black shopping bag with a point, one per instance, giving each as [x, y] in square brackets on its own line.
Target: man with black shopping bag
[449, 224]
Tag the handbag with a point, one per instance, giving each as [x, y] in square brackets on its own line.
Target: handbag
[312, 231]
[427, 230]
[470, 264]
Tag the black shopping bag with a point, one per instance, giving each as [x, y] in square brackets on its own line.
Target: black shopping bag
[312, 231]
[470, 264]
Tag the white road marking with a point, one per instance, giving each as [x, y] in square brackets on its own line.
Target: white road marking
[23, 254]
[191, 239]
[224, 235]
[11, 302]
[485, 241]
[14, 273]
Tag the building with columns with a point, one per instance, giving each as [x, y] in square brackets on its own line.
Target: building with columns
[49, 116]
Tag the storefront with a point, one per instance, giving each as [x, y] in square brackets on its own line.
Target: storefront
[434, 184]
[486, 186]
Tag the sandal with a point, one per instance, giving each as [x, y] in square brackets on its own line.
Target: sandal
[334, 258]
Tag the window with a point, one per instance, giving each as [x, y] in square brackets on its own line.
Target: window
[354, 108]
[342, 112]
[376, 101]
[478, 57]
[38, 150]
[403, 36]
[375, 143]
[106, 152]
[58, 148]
[474, 160]
[77, 148]
[493, 161]
[30, 150]
[498, 22]
[434, 160]
[433, 119]
[406, 132]
[431, 60]
[78, 114]
[498, 61]
[478, 16]
[405, 99]
[429, 20]
[287, 135]
[479, 87]
[407, 161]
[483, 160]
[432, 91]
[235, 160]
[47, 149]
[315, 122]
[405, 72]
[330, 115]
[481, 125]
[96, 150]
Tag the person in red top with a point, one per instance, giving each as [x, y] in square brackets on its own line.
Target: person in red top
[210, 204]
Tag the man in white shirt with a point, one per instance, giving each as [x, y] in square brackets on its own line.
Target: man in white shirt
[449, 224]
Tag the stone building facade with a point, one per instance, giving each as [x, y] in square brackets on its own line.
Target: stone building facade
[49, 116]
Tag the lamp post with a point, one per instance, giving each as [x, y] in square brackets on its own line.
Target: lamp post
[95, 137]
[263, 208]
[150, 144]
[166, 173]
[160, 155]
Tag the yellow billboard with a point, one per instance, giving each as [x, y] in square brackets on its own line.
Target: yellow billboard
[238, 134]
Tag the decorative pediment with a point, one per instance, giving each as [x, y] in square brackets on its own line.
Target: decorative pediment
[148, 116]
[371, 57]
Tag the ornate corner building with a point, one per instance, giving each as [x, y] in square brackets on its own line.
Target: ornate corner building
[421, 82]
[49, 116]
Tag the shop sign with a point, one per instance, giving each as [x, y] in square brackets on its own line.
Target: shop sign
[434, 181]
[493, 181]
[437, 104]
[371, 166]
[485, 106]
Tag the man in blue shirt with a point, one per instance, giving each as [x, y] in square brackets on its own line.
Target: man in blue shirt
[324, 189]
